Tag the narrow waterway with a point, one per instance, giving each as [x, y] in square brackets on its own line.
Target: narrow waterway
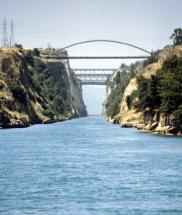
[88, 167]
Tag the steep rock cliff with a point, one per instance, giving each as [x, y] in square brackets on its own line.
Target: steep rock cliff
[151, 119]
[33, 90]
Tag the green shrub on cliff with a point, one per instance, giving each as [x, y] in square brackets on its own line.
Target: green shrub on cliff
[178, 113]
[61, 106]
[177, 36]
[113, 101]
[147, 93]
[131, 99]
[18, 46]
[49, 113]
[170, 85]
[153, 58]
[29, 57]
[17, 92]
[36, 52]
[51, 86]
[163, 91]
[118, 86]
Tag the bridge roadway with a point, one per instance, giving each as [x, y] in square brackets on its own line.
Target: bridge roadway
[92, 82]
[93, 76]
[95, 69]
[96, 57]
[93, 72]
[93, 79]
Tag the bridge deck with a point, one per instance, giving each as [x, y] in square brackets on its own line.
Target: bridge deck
[93, 75]
[96, 57]
[93, 83]
[95, 69]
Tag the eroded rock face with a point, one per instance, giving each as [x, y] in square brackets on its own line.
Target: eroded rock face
[33, 90]
[127, 125]
[168, 126]
[153, 126]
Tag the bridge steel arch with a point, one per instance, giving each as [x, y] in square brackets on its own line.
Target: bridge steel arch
[94, 41]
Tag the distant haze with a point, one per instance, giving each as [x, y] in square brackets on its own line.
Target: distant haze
[94, 97]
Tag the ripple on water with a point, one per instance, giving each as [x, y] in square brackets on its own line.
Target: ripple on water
[88, 166]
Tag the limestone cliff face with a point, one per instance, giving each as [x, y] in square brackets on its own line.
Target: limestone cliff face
[147, 120]
[33, 90]
[69, 86]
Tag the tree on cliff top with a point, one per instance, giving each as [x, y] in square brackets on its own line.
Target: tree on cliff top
[163, 91]
[177, 36]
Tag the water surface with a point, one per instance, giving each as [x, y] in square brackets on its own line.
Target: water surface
[88, 166]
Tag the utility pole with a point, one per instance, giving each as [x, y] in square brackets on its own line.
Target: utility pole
[5, 37]
[11, 42]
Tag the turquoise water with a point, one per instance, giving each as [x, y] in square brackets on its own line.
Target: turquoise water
[88, 166]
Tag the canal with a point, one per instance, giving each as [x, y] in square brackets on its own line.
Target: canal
[87, 166]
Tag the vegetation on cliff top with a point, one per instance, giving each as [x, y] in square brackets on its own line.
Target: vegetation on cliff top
[163, 91]
[177, 36]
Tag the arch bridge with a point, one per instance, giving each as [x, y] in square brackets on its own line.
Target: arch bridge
[95, 76]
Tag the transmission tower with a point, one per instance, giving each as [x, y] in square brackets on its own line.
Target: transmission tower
[11, 42]
[5, 37]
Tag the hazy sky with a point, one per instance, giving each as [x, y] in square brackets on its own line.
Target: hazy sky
[145, 23]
